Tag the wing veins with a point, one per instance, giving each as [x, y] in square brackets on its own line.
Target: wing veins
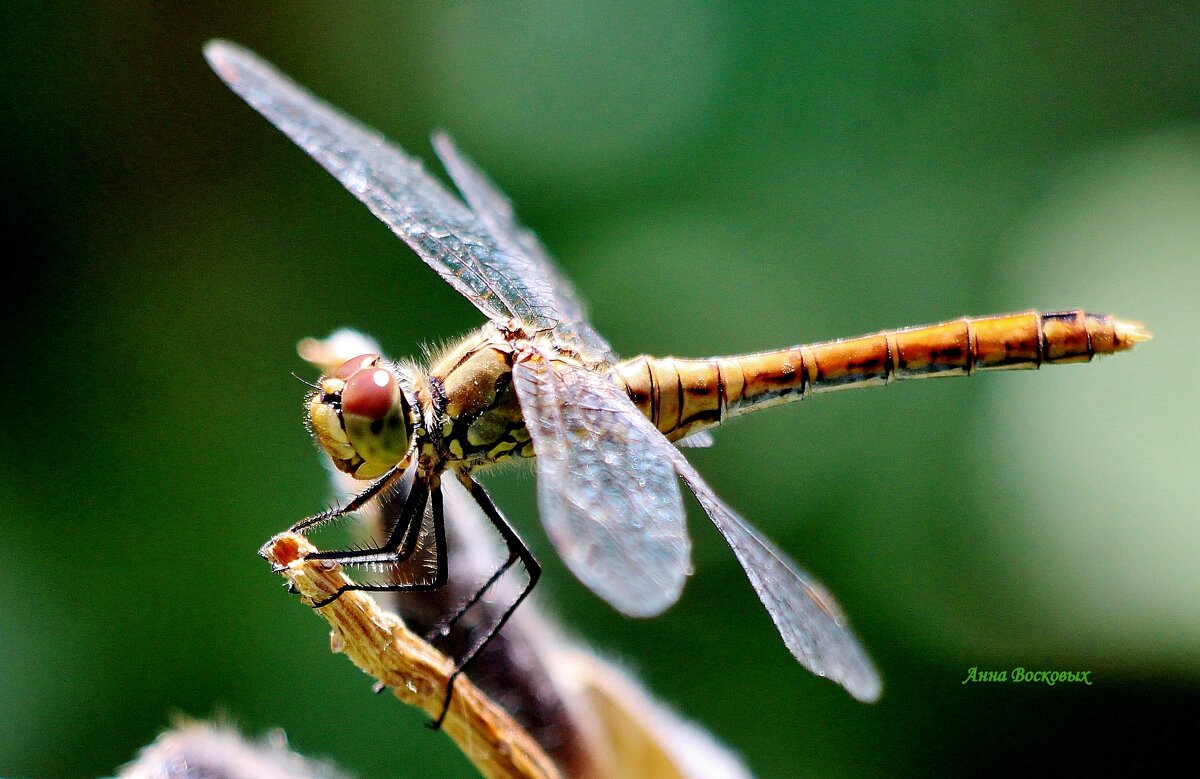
[826, 648]
[497, 278]
[623, 538]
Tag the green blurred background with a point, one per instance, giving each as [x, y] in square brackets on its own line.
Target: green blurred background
[715, 178]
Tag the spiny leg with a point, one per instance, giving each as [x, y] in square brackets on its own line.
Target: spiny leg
[517, 549]
[400, 544]
[412, 516]
[447, 623]
[358, 501]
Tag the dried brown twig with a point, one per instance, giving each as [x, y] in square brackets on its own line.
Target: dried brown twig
[378, 643]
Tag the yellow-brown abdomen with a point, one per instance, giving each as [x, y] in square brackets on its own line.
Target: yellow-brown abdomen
[683, 396]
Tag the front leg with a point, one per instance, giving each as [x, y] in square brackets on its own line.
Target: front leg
[358, 501]
[431, 581]
[402, 539]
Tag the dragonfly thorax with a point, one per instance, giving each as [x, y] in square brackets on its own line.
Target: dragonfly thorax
[474, 408]
[361, 416]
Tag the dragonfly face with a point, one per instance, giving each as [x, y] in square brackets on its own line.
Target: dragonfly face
[538, 378]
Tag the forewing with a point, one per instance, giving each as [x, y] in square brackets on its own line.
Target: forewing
[499, 280]
[806, 615]
[607, 493]
[497, 214]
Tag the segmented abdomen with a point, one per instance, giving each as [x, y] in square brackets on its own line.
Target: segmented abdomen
[683, 396]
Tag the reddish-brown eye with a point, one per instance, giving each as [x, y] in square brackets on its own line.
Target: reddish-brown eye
[369, 393]
[354, 365]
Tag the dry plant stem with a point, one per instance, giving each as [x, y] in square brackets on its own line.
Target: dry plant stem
[379, 643]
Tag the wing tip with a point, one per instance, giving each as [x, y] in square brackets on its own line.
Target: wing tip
[232, 62]
[220, 53]
[856, 675]
[648, 607]
[440, 138]
[865, 689]
[847, 666]
[638, 596]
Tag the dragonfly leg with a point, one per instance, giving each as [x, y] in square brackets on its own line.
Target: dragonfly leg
[355, 503]
[447, 623]
[517, 551]
[413, 514]
[400, 542]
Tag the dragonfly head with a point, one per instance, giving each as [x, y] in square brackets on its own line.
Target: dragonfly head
[360, 416]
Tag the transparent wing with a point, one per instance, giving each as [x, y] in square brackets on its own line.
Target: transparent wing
[607, 493]
[700, 440]
[496, 212]
[500, 280]
[806, 615]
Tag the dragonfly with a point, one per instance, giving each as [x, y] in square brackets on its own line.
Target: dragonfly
[591, 717]
[606, 435]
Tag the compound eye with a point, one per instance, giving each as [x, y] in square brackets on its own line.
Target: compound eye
[354, 365]
[374, 415]
[370, 393]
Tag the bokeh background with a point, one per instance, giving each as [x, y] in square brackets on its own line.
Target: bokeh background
[715, 178]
